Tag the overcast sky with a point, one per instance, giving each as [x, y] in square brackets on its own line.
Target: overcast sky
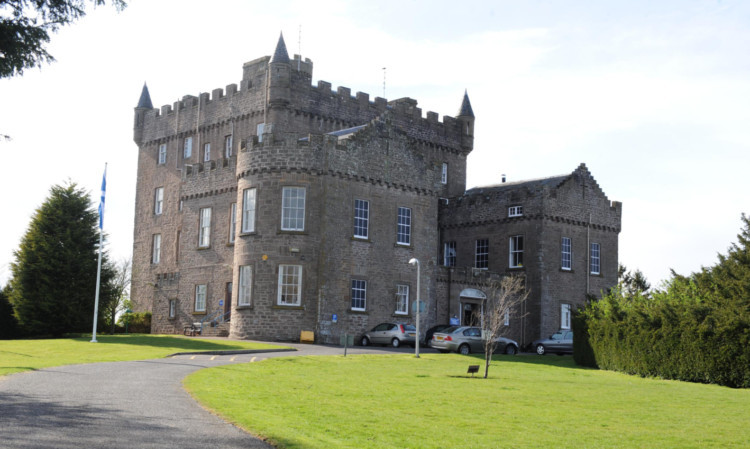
[654, 96]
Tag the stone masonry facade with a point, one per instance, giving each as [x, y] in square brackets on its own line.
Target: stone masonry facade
[277, 207]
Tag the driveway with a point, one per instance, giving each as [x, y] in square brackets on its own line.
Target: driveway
[125, 404]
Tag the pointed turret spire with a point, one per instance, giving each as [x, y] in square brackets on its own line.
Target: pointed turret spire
[145, 101]
[280, 55]
[465, 110]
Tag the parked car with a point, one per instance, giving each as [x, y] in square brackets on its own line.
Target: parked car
[394, 334]
[561, 342]
[431, 331]
[468, 339]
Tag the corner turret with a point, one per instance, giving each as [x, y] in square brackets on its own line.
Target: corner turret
[466, 118]
[279, 87]
[144, 105]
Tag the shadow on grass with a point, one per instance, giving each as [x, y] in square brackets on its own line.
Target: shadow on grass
[166, 341]
[564, 361]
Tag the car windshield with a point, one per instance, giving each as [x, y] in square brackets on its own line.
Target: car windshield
[449, 330]
[409, 327]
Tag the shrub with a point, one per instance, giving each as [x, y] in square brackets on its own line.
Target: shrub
[138, 322]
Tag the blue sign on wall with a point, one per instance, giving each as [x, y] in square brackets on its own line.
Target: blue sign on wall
[221, 302]
[335, 318]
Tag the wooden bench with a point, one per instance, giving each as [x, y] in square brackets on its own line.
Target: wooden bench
[192, 330]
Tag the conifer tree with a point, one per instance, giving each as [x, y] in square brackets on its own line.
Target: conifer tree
[8, 324]
[54, 273]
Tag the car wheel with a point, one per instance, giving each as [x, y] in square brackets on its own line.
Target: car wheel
[464, 350]
[395, 342]
[511, 350]
[540, 349]
[365, 341]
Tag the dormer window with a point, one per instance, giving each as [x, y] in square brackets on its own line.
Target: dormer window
[515, 211]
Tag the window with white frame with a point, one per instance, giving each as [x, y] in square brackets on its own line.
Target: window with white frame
[248, 210]
[516, 251]
[566, 254]
[206, 152]
[187, 147]
[403, 230]
[444, 174]
[482, 254]
[565, 316]
[158, 200]
[506, 318]
[361, 218]
[260, 130]
[172, 308]
[162, 154]
[232, 221]
[359, 294]
[293, 209]
[515, 211]
[449, 254]
[595, 258]
[200, 298]
[245, 287]
[204, 233]
[156, 252]
[290, 285]
[228, 146]
[402, 299]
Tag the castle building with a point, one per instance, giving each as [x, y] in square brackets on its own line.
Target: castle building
[276, 206]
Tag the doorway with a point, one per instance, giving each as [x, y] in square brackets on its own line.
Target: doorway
[228, 302]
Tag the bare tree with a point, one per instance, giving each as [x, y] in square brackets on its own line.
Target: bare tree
[121, 291]
[503, 303]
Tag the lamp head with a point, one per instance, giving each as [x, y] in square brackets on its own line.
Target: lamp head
[414, 261]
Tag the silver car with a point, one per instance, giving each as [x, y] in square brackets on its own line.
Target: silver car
[393, 334]
[468, 339]
[561, 342]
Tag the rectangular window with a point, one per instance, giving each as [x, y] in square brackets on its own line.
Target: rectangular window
[290, 285]
[206, 152]
[359, 294]
[260, 129]
[156, 253]
[361, 218]
[200, 298]
[506, 318]
[172, 308]
[232, 221]
[565, 316]
[162, 154]
[444, 174]
[515, 211]
[567, 254]
[449, 254]
[204, 234]
[595, 258]
[516, 251]
[158, 200]
[245, 288]
[177, 247]
[402, 299]
[403, 231]
[482, 254]
[187, 148]
[248, 210]
[228, 146]
[293, 209]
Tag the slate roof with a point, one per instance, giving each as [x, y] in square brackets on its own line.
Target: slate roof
[531, 184]
[280, 55]
[465, 107]
[145, 100]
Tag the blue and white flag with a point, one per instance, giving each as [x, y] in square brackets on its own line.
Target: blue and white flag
[101, 203]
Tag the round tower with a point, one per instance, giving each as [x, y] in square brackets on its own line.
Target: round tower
[466, 118]
[144, 105]
[279, 87]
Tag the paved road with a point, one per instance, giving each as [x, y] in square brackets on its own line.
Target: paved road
[129, 405]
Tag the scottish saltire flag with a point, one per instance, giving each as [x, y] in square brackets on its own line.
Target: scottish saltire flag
[101, 203]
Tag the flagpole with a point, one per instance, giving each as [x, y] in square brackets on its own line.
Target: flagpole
[99, 264]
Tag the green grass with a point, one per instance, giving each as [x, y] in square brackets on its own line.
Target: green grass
[24, 355]
[397, 401]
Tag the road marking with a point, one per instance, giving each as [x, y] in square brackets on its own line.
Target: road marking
[213, 357]
[232, 359]
[252, 360]
[193, 357]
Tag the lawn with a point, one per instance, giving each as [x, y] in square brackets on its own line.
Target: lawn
[24, 355]
[397, 401]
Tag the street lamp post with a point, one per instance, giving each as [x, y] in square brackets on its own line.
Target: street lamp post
[414, 261]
